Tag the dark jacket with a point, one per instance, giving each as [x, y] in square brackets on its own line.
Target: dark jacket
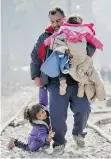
[38, 56]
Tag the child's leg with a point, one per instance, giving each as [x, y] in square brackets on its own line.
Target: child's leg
[21, 145]
[43, 96]
[80, 90]
[16, 143]
[63, 85]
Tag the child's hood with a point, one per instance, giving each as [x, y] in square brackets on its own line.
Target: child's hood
[40, 122]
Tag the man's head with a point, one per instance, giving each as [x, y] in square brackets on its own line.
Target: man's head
[55, 16]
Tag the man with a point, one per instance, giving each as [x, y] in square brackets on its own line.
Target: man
[59, 104]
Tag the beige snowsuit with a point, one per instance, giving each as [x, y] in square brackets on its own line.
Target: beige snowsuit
[82, 69]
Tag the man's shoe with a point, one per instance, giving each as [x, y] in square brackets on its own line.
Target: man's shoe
[58, 150]
[79, 140]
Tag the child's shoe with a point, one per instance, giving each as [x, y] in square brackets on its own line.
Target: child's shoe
[11, 144]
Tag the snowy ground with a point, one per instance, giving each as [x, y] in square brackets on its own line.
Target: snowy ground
[11, 104]
[96, 146]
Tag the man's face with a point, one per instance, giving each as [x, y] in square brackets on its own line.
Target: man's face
[56, 20]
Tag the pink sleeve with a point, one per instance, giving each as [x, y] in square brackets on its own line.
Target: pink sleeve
[47, 42]
[94, 41]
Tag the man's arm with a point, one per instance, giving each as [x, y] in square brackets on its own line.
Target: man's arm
[36, 62]
[90, 49]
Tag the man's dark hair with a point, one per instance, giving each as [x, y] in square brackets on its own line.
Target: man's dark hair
[55, 10]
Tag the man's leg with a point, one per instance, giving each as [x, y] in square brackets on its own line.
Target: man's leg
[81, 109]
[43, 96]
[58, 112]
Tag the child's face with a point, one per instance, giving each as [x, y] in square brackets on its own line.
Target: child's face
[42, 115]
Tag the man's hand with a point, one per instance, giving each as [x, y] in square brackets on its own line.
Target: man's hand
[38, 82]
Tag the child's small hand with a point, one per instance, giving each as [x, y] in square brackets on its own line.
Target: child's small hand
[67, 51]
[49, 139]
[50, 136]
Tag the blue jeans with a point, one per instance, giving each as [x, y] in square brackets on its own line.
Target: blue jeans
[58, 111]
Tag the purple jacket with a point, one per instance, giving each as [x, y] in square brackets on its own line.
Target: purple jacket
[37, 137]
[43, 96]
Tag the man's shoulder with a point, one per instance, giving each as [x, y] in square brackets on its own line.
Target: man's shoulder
[44, 35]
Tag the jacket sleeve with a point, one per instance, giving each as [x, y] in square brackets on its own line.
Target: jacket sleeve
[35, 60]
[94, 41]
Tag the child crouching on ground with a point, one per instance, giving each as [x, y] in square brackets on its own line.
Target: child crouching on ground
[41, 133]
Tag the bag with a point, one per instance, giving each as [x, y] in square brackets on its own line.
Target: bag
[52, 60]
